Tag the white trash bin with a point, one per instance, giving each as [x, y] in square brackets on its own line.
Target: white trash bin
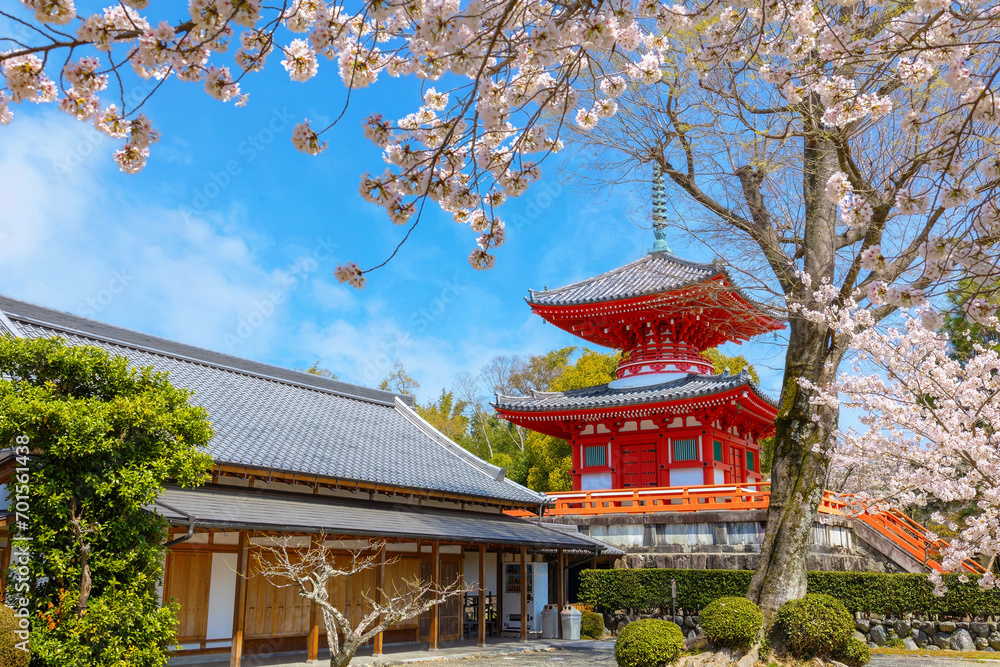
[570, 622]
[550, 622]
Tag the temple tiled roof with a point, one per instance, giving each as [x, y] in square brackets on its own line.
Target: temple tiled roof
[7, 328]
[605, 396]
[652, 273]
[277, 419]
[251, 509]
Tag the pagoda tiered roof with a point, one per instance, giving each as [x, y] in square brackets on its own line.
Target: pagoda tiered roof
[677, 396]
[699, 301]
[652, 273]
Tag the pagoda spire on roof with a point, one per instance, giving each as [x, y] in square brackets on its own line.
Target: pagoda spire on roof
[659, 211]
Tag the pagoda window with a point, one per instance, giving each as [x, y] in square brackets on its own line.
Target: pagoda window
[717, 450]
[686, 450]
[750, 461]
[595, 456]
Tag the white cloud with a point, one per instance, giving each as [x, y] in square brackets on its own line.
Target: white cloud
[71, 241]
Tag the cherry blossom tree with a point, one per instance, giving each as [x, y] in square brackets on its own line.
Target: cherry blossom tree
[850, 143]
[931, 428]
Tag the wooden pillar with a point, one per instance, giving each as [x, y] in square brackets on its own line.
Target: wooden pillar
[379, 584]
[524, 594]
[481, 631]
[436, 580]
[312, 645]
[498, 621]
[560, 587]
[240, 608]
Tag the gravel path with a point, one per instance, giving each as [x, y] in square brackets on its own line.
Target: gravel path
[601, 654]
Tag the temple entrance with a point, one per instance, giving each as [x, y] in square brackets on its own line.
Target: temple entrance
[736, 460]
[639, 465]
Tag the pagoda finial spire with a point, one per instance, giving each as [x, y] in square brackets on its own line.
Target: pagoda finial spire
[659, 211]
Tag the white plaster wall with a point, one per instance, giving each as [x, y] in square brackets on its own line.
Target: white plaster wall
[595, 481]
[222, 596]
[687, 477]
[629, 535]
[472, 571]
[720, 476]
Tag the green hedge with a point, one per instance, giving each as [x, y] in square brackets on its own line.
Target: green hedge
[636, 591]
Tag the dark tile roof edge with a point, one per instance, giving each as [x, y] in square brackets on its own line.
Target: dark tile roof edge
[716, 267]
[573, 530]
[684, 262]
[184, 518]
[488, 469]
[5, 323]
[725, 383]
[70, 323]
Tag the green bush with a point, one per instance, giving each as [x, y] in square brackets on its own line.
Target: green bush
[731, 622]
[10, 655]
[814, 625]
[638, 591]
[854, 653]
[648, 589]
[591, 625]
[648, 643]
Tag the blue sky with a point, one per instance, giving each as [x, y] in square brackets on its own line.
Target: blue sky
[229, 238]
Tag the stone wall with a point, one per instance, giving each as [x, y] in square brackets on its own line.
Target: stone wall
[929, 635]
[904, 633]
[720, 540]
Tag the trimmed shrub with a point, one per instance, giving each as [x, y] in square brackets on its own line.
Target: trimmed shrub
[814, 625]
[854, 653]
[642, 590]
[731, 622]
[591, 625]
[648, 643]
[10, 655]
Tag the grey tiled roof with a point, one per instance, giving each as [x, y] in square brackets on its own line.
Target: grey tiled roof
[650, 274]
[609, 550]
[250, 509]
[273, 418]
[604, 396]
[7, 327]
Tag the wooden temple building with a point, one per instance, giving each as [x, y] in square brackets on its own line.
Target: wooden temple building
[297, 454]
[667, 420]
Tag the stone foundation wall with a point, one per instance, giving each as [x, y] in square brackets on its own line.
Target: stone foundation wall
[905, 633]
[730, 540]
[929, 635]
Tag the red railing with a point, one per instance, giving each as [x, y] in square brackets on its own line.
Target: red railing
[902, 531]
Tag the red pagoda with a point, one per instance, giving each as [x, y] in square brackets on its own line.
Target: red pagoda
[667, 420]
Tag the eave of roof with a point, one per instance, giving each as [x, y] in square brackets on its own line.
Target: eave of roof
[225, 508]
[577, 294]
[598, 397]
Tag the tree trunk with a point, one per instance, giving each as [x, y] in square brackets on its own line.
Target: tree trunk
[803, 434]
[343, 657]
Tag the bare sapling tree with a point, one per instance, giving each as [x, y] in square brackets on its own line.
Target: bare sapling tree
[312, 570]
